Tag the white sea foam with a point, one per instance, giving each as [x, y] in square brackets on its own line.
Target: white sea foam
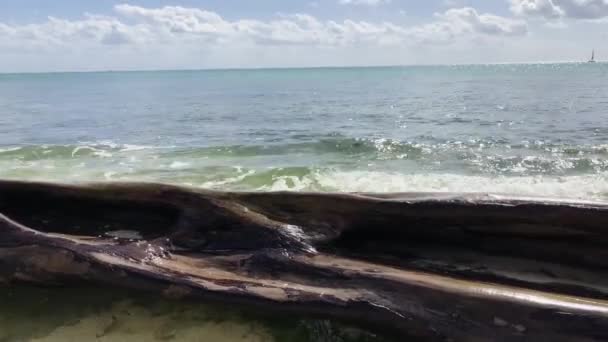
[9, 149]
[292, 183]
[109, 175]
[583, 187]
[227, 181]
[80, 148]
[129, 147]
[178, 165]
[103, 154]
[109, 144]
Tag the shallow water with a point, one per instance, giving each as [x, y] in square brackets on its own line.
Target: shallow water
[87, 314]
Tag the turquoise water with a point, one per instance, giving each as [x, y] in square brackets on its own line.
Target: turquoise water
[531, 129]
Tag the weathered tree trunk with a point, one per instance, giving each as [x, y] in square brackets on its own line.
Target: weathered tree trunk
[432, 266]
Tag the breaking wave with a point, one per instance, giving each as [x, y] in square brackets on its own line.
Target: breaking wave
[333, 164]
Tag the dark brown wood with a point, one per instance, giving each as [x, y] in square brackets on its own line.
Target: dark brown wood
[438, 267]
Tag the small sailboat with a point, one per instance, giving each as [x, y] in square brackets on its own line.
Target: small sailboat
[592, 60]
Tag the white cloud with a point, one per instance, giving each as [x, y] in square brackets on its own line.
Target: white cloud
[467, 19]
[173, 24]
[194, 33]
[552, 9]
[364, 2]
[544, 8]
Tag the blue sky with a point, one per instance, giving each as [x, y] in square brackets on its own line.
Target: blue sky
[25, 11]
[42, 35]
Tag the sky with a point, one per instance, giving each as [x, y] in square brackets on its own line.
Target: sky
[85, 35]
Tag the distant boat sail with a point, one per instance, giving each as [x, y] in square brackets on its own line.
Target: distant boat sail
[592, 60]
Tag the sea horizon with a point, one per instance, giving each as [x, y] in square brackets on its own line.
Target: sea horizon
[297, 67]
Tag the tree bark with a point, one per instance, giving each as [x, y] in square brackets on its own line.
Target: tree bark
[437, 267]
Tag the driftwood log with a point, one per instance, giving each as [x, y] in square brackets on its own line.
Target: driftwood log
[438, 267]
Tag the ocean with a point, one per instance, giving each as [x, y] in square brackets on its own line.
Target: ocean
[534, 129]
[530, 129]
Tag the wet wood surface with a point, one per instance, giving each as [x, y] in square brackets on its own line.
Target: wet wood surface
[437, 267]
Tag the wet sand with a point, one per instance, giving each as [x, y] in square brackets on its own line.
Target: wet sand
[86, 314]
